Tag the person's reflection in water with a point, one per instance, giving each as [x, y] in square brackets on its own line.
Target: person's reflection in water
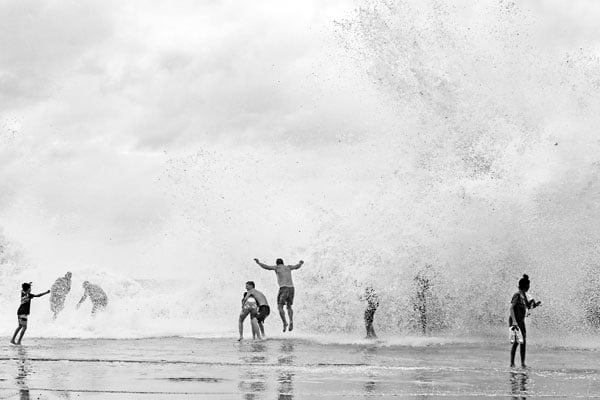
[252, 378]
[370, 385]
[23, 370]
[285, 387]
[518, 384]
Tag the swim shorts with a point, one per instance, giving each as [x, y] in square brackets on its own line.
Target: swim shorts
[285, 296]
[263, 312]
[23, 319]
[249, 308]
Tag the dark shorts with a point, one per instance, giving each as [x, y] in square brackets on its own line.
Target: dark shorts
[263, 312]
[285, 296]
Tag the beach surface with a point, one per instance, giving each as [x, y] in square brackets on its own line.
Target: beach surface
[290, 368]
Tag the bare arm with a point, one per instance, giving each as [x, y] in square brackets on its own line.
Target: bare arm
[82, 299]
[297, 265]
[264, 266]
[40, 294]
[512, 315]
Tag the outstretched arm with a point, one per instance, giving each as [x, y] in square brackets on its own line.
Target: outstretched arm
[40, 294]
[82, 299]
[264, 266]
[297, 265]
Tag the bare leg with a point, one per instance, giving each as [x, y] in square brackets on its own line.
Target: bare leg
[262, 329]
[15, 335]
[513, 351]
[241, 326]
[291, 315]
[282, 315]
[255, 328]
[523, 354]
[23, 329]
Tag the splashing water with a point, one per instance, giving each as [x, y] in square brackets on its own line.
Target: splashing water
[476, 160]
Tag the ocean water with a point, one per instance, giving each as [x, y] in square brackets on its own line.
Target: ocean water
[291, 368]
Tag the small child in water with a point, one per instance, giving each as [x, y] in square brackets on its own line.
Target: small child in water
[23, 311]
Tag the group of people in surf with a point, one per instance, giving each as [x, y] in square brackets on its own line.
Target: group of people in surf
[255, 304]
[58, 294]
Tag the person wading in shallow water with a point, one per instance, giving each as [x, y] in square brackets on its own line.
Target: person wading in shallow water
[261, 313]
[286, 288]
[372, 303]
[97, 296]
[249, 307]
[59, 290]
[518, 309]
[23, 311]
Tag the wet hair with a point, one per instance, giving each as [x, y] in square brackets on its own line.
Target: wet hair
[279, 261]
[68, 275]
[251, 283]
[524, 282]
[26, 286]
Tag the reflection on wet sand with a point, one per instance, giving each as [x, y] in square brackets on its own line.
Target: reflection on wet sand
[23, 370]
[253, 379]
[285, 387]
[518, 384]
[370, 385]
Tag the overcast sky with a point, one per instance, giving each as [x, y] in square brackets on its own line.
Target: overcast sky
[142, 134]
[105, 106]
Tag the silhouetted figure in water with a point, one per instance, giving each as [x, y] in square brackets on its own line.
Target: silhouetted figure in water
[97, 297]
[372, 303]
[24, 309]
[286, 288]
[423, 293]
[59, 290]
[518, 310]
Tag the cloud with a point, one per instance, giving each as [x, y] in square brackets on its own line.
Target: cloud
[41, 42]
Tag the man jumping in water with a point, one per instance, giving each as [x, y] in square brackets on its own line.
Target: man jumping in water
[286, 288]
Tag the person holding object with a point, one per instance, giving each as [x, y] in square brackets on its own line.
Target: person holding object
[24, 309]
[262, 312]
[249, 307]
[518, 310]
[286, 288]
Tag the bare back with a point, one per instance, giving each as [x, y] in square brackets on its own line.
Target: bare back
[261, 299]
[284, 275]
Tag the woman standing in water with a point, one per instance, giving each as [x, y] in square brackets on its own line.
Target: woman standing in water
[518, 310]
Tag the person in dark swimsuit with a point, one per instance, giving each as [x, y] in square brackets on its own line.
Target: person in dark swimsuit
[24, 309]
[518, 310]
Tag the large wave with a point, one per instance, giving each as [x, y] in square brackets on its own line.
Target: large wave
[477, 161]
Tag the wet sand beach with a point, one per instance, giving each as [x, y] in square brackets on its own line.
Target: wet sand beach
[178, 368]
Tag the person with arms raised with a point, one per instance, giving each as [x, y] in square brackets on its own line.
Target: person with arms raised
[285, 297]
